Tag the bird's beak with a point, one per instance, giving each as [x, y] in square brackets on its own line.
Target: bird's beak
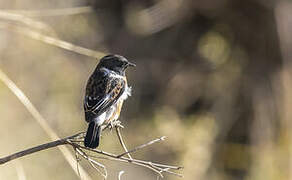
[131, 64]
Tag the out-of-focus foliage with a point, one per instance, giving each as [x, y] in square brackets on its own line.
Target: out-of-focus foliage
[214, 76]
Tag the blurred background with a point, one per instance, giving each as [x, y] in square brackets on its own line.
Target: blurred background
[214, 76]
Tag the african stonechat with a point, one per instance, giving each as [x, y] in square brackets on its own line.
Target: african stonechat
[106, 91]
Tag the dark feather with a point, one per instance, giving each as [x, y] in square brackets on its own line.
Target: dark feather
[92, 137]
[102, 91]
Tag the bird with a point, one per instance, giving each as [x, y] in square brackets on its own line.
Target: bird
[106, 90]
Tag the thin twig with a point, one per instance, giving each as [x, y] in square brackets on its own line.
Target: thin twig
[120, 174]
[52, 12]
[8, 16]
[52, 41]
[155, 167]
[77, 162]
[92, 162]
[132, 161]
[148, 163]
[152, 165]
[142, 146]
[173, 173]
[162, 165]
[122, 142]
[77, 141]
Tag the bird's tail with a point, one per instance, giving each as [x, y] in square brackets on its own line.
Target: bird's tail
[92, 135]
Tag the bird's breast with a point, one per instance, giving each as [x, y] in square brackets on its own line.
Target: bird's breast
[126, 93]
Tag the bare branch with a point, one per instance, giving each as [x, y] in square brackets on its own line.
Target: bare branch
[92, 162]
[36, 149]
[120, 174]
[142, 146]
[122, 142]
[52, 12]
[18, 18]
[32, 150]
[155, 167]
[52, 40]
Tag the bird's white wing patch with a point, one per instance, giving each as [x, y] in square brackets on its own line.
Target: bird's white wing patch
[100, 119]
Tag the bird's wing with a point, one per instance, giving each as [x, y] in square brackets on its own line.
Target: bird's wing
[102, 92]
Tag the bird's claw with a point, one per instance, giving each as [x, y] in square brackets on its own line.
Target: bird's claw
[118, 124]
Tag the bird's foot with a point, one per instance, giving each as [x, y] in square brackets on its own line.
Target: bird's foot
[118, 124]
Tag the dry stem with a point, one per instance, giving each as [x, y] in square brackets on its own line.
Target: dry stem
[83, 152]
[122, 141]
[142, 146]
[52, 12]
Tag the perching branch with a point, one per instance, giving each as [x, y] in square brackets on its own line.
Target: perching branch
[36, 149]
[121, 138]
[75, 142]
[155, 167]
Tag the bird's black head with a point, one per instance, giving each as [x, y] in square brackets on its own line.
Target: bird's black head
[115, 63]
